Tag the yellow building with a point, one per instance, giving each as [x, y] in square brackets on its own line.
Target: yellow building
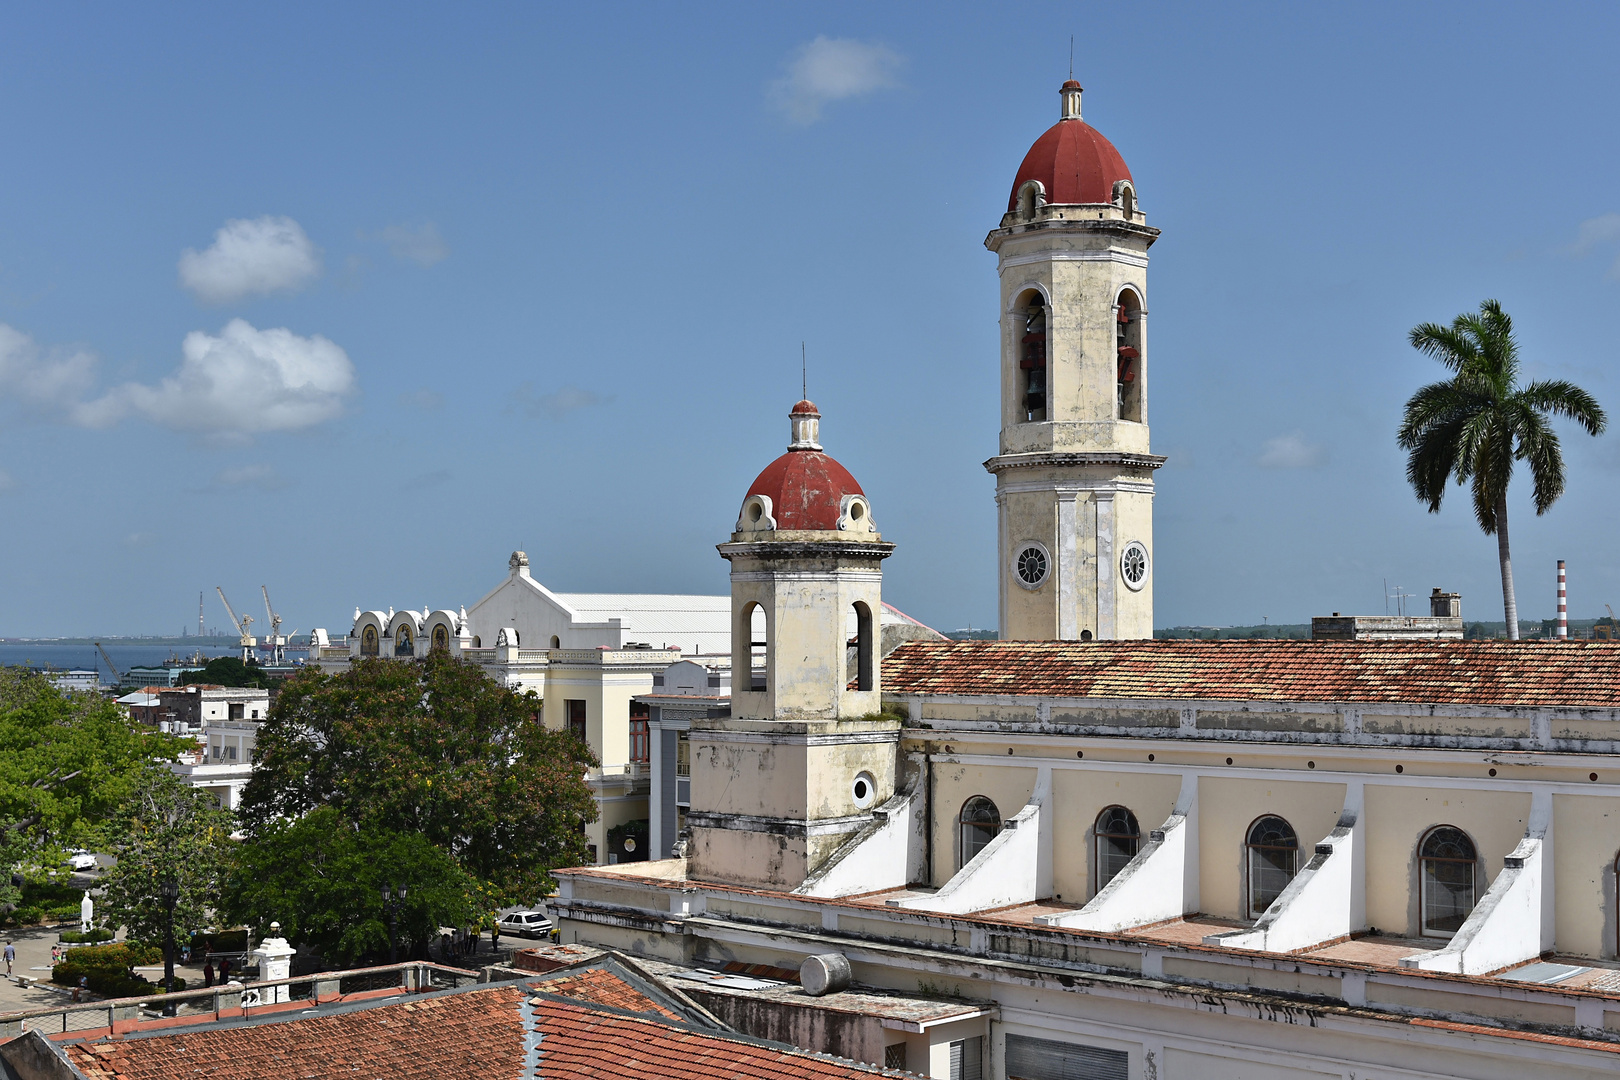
[1136, 859]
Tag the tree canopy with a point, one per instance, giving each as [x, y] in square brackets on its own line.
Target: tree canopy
[321, 877]
[168, 831]
[68, 762]
[227, 671]
[1476, 425]
[437, 749]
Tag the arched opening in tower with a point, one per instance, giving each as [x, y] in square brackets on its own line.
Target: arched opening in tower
[1128, 341]
[1032, 356]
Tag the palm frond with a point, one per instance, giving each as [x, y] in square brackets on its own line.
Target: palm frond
[1562, 398]
[1492, 468]
[1432, 461]
[1447, 344]
[1437, 403]
[1539, 448]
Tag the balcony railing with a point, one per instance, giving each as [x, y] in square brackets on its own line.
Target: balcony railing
[232, 1001]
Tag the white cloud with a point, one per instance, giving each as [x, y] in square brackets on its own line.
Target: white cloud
[250, 257]
[1598, 232]
[243, 382]
[261, 476]
[52, 380]
[558, 404]
[420, 244]
[832, 69]
[1291, 451]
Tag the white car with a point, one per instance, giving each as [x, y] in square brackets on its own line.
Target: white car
[531, 924]
[81, 860]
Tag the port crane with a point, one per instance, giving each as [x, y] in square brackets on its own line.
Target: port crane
[110, 665]
[276, 641]
[242, 624]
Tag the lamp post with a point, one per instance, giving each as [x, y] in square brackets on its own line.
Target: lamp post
[393, 899]
[169, 894]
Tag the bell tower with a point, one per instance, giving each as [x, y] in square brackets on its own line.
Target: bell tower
[805, 756]
[1074, 478]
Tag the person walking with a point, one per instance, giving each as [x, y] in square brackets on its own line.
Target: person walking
[208, 973]
[11, 955]
[56, 955]
[225, 969]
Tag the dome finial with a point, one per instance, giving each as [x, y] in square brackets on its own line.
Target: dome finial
[1071, 91]
[805, 425]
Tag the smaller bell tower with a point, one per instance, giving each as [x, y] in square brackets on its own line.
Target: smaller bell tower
[1074, 478]
[798, 766]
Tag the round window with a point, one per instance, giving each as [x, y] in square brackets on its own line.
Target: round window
[1031, 565]
[864, 790]
[1134, 565]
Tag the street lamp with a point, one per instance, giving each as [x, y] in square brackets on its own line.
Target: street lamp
[169, 893]
[393, 899]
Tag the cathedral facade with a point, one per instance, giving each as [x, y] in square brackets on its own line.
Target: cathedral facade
[1121, 858]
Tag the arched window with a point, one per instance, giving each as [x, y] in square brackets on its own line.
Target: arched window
[865, 675]
[1273, 858]
[756, 627]
[556, 642]
[1447, 867]
[980, 821]
[403, 646]
[441, 637]
[1118, 837]
[368, 641]
[1032, 356]
[1128, 342]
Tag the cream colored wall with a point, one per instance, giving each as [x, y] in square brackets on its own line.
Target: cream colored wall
[1078, 798]
[753, 778]
[747, 858]
[1397, 817]
[1133, 517]
[1008, 787]
[1226, 809]
[807, 607]
[1586, 835]
[1032, 614]
[831, 771]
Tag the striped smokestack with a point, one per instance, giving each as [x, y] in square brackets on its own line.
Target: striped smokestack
[1563, 613]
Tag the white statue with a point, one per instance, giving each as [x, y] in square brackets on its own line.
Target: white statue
[87, 912]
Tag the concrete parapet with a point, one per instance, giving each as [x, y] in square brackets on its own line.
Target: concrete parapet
[1014, 868]
[1160, 883]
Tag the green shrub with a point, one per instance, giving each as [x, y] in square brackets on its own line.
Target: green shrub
[92, 937]
[108, 969]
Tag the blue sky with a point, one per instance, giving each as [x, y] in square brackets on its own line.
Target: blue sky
[353, 300]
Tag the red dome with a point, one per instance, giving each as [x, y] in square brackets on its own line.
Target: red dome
[806, 489]
[1074, 163]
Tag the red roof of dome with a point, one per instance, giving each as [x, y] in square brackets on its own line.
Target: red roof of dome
[1075, 164]
[806, 488]
[805, 406]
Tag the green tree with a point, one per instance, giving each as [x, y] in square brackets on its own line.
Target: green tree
[1477, 424]
[437, 749]
[227, 671]
[68, 761]
[321, 877]
[169, 831]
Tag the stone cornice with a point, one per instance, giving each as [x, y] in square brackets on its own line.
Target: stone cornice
[806, 549]
[1048, 459]
[994, 240]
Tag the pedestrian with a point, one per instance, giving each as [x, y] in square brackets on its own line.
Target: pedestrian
[225, 969]
[56, 955]
[185, 954]
[495, 938]
[79, 990]
[11, 954]
[208, 973]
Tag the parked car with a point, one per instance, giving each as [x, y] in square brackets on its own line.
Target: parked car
[81, 860]
[531, 924]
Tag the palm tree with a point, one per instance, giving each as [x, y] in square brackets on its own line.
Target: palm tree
[1475, 425]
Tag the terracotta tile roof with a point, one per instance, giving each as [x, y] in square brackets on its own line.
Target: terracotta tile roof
[1577, 674]
[461, 1034]
[604, 988]
[577, 1043]
[476, 1032]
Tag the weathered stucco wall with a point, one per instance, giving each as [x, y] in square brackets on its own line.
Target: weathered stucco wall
[1227, 807]
[1009, 788]
[1397, 818]
[1079, 798]
[1587, 829]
